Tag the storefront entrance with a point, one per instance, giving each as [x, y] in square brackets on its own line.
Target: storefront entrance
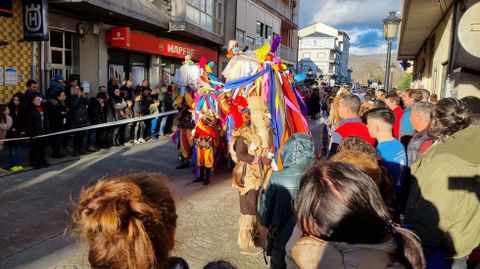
[124, 66]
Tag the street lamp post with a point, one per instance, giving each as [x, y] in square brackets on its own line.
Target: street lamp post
[390, 29]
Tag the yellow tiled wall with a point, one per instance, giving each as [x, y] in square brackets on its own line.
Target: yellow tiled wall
[17, 54]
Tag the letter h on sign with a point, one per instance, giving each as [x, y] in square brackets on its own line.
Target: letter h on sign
[35, 20]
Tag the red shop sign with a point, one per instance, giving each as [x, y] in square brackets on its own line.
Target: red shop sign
[156, 45]
[120, 37]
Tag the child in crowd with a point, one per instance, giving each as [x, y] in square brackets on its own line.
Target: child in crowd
[129, 114]
[153, 111]
[380, 123]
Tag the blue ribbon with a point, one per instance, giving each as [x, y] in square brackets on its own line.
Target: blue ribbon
[235, 84]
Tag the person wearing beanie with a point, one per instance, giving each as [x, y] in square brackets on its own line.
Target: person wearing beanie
[57, 84]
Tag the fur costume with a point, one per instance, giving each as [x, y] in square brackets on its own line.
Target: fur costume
[252, 145]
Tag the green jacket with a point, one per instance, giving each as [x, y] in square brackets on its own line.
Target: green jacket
[166, 102]
[275, 209]
[153, 109]
[443, 207]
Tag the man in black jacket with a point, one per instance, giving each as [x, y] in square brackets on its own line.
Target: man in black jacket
[38, 124]
[78, 107]
[97, 114]
[58, 114]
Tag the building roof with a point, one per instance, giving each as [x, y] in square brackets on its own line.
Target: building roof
[318, 34]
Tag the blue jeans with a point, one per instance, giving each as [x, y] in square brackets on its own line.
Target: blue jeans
[14, 156]
[163, 123]
[92, 137]
[153, 127]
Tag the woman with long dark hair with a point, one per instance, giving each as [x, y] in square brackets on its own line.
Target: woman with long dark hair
[345, 223]
[18, 112]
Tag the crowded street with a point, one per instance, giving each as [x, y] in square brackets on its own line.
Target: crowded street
[239, 134]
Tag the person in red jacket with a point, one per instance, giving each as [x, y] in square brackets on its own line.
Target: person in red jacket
[351, 124]
[392, 101]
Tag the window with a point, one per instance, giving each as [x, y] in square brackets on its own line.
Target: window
[240, 35]
[268, 32]
[259, 29]
[331, 69]
[250, 42]
[63, 56]
[306, 55]
[206, 14]
[321, 55]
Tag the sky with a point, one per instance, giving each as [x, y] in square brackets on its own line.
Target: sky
[361, 19]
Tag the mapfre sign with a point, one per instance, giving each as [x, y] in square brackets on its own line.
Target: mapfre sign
[122, 37]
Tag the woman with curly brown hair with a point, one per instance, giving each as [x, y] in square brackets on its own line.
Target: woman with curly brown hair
[443, 207]
[128, 221]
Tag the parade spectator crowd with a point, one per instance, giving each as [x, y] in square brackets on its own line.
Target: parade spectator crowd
[394, 183]
[66, 106]
[395, 187]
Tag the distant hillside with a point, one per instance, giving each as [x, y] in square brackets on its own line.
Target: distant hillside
[372, 66]
[359, 60]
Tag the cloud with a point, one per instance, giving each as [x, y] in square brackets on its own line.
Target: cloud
[343, 13]
[357, 33]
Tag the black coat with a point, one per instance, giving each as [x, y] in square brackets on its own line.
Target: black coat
[97, 113]
[58, 113]
[78, 107]
[314, 104]
[38, 123]
[20, 121]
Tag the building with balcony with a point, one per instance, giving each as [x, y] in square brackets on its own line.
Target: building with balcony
[258, 21]
[98, 40]
[441, 39]
[325, 51]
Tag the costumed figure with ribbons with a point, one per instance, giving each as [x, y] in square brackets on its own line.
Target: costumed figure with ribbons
[186, 78]
[276, 112]
[253, 152]
[183, 137]
[206, 116]
[261, 73]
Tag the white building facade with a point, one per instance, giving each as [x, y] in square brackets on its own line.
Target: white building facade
[325, 51]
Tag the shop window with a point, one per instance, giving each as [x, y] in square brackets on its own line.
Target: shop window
[57, 57]
[64, 53]
[56, 39]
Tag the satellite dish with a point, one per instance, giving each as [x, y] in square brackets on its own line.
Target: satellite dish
[469, 30]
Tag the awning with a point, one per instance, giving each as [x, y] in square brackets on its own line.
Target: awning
[419, 19]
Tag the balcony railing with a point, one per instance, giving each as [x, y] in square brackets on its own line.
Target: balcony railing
[288, 54]
[285, 53]
[285, 10]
